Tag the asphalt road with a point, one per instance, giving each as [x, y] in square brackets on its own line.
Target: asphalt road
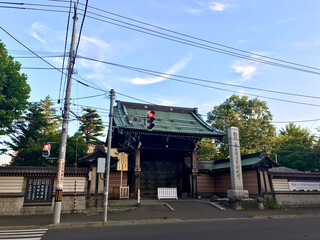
[239, 229]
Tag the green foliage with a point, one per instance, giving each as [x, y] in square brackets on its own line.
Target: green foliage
[295, 148]
[53, 122]
[76, 148]
[207, 150]
[252, 117]
[91, 126]
[270, 203]
[27, 139]
[14, 90]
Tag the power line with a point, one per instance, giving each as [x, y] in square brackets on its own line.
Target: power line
[162, 74]
[57, 56]
[134, 98]
[35, 9]
[44, 59]
[203, 46]
[196, 38]
[65, 49]
[83, 18]
[196, 44]
[309, 120]
[41, 68]
[197, 84]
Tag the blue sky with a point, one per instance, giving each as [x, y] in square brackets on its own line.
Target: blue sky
[286, 30]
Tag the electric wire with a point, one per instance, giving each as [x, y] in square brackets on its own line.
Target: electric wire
[197, 84]
[207, 47]
[200, 39]
[188, 36]
[44, 59]
[65, 49]
[79, 36]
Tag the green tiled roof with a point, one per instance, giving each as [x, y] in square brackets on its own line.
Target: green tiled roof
[174, 120]
[246, 160]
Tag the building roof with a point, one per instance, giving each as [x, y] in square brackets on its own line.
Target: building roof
[98, 152]
[41, 171]
[250, 160]
[168, 120]
[284, 172]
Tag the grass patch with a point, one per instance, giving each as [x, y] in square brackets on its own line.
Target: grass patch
[270, 203]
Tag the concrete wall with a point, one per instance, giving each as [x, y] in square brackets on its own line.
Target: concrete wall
[12, 197]
[298, 199]
[14, 205]
[13, 189]
[285, 197]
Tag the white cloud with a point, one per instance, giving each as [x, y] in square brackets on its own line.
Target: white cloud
[96, 48]
[247, 71]
[285, 20]
[37, 29]
[242, 92]
[242, 41]
[194, 11]
[36, 36]
[174, 69]
[166, 102]
[215, 6]
[95, 76]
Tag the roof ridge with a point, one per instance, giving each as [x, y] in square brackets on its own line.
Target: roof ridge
[201, 120]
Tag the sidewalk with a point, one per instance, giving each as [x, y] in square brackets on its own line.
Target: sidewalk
[151, 211]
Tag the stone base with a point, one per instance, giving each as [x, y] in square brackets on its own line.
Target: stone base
[237, 194]
[245, 204]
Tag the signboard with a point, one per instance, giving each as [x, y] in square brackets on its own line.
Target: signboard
[123, 162]
[39, 190]
[101, 165]
[131, 118]
[235, 158]
[304, 185]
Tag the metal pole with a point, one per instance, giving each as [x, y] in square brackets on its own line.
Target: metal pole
[106, 184]
[75, 197]
[64, 132]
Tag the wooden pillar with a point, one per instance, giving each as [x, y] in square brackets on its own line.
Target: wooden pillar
[268, 186]
[194, 174]
[93, 182]
[262, 183]
[137, 171]
[100, 177]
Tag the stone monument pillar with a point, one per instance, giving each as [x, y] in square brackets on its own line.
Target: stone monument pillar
[237, 192]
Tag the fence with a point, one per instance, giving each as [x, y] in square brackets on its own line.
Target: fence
[124, 192]
[167, 193]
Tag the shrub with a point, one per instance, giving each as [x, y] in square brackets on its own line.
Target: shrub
[270, 203]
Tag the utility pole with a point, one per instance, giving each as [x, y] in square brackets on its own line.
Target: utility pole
[64, 132]
[106, 179]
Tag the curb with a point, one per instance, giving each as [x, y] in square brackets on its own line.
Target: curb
[150, 221]
[284, 216]
[113, 223]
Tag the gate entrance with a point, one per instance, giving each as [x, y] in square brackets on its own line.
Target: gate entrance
[159, 168]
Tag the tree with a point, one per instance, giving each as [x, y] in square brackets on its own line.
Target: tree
[76, 148]
[14, 90]
[295, 147]
[91, 126]
[27, 139]
[252, 117]
[50, 115]
[207, 150]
